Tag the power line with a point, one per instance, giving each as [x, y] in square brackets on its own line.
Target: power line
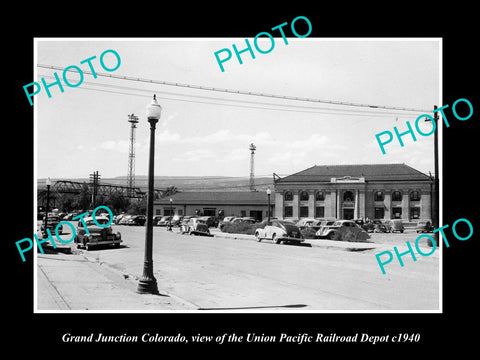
[238, 92]
[319, 110]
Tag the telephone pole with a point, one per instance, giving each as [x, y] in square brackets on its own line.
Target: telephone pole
[252, 160]
[94, 177]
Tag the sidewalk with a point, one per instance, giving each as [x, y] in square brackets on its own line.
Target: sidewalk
[75, 282]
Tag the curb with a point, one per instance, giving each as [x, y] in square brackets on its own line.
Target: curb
[322, 243]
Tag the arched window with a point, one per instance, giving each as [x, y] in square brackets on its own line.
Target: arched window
[304, 196]
[378, 196]
[348, 196]
[396, 196]
[319, 196]
[288, 196]
[415, 196]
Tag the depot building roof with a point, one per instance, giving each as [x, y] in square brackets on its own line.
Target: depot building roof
[218, 198]
[370, 172]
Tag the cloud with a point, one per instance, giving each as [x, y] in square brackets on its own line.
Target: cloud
[115, 145]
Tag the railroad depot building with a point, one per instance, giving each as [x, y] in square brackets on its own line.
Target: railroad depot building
[376, 191]
[212, 203]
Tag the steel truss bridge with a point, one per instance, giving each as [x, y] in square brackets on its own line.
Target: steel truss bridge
[75, 187]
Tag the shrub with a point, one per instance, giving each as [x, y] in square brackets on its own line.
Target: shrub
[239, 228]
[308, 233]
[351, 235]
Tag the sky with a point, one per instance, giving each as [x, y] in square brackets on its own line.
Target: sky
[208, 133]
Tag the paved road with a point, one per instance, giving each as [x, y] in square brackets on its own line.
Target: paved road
[224, 274]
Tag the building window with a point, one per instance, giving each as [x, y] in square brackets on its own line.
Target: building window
[304, 196]
[243, 213]
[319, 211]
[180, 212]
[348, 196]
[158, 211]
[415, 196]
[396, 196]
[288, 211]
[209, 211]
[415, 212]
[167, 212]
[319, 196]
[397, 212]
[379, 213]
[303, 211]
[288, 196]
[378, 196]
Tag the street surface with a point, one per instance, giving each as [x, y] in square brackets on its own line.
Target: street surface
[219, 273]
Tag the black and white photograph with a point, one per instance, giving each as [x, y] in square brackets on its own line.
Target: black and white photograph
[270, 190]
[282, 184]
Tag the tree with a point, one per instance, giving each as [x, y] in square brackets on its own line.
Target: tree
[138, 207]
[117, 202]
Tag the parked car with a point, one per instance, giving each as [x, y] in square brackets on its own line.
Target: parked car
[225, 220]
[97, 235]
[196, 226]
[305, 222]
[424, 226]
[278, 231]
[394, 225]
[124, 220]
[329, 232]
[136, 220]
[118, 218]
[155, 219]
[245, 219]
[367, 226]
[209, 220]
[380, 228]
[52, 222]
[176, 220]
[322, 223]
[164, 221]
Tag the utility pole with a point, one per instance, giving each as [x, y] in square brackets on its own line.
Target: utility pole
[94, 181]
[252, 174]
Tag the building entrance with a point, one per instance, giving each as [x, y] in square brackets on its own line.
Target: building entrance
[348, 214]
[256, 214]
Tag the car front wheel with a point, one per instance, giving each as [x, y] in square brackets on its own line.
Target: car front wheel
[257, 236]
[275, 240]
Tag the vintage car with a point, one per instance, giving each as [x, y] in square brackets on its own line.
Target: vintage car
[380, 228]
[329, 232]
[52, 222]
[124, 220]
[225, 220]
[209, 220]
[176, 220]
[136, 220]
[164, 221]
[195, 226]
[279, 231]
[424, 226]
[304, 223]
[97, 235]
[394, 225]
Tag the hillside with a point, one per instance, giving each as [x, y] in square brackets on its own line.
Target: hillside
[183, 183]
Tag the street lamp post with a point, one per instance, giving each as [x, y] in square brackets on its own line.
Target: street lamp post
[269, 192]
[148, 283]
[48, 183]
[171, 215]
